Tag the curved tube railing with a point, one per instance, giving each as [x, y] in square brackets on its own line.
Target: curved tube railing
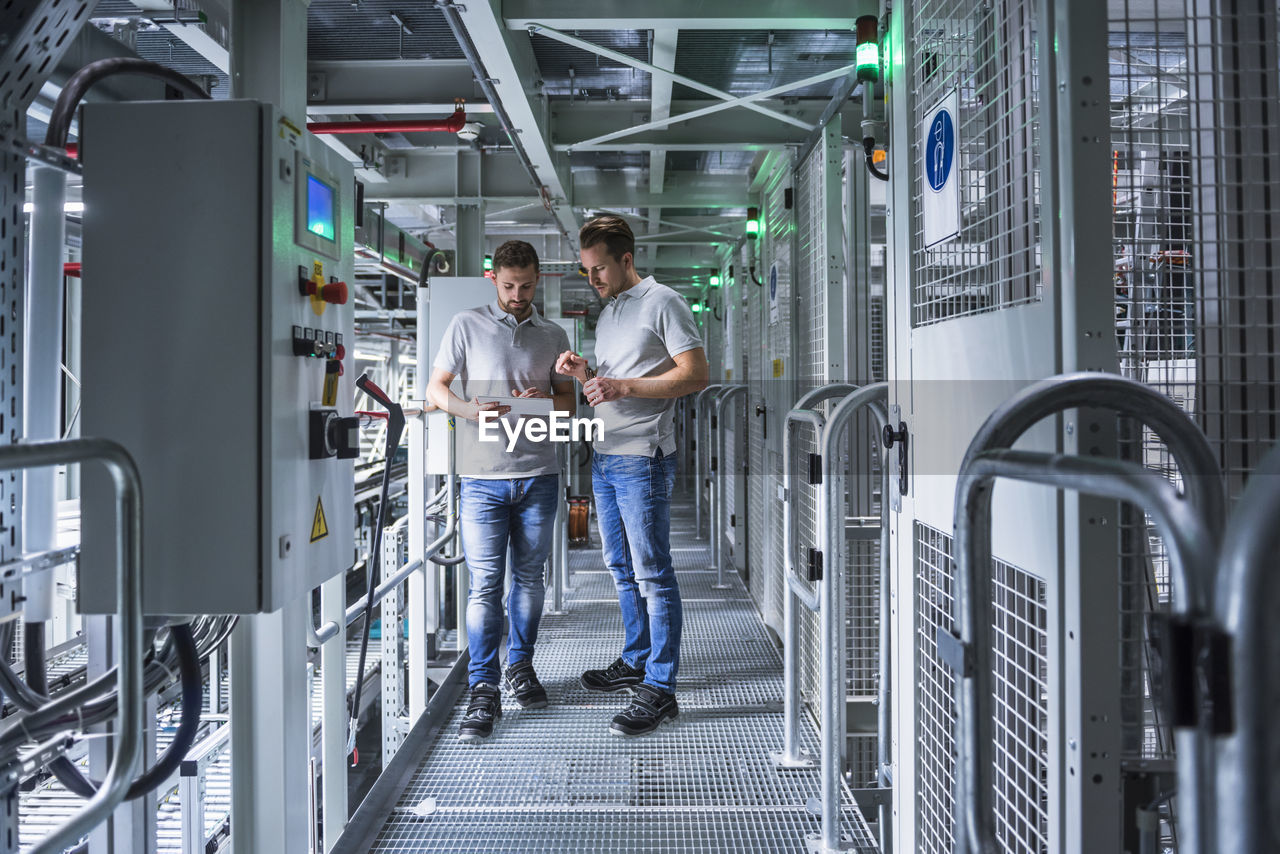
[718, 479]
[128, 509]
[700, 419]
[829, 598]
[1248, 596]
[831, 674]
[317, 637]
[791, 755]
[1204, 493]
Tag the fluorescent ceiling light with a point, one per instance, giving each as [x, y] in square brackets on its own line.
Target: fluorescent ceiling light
[406, 359]
[371, 357]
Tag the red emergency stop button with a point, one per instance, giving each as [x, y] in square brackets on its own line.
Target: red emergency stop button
[335, 293]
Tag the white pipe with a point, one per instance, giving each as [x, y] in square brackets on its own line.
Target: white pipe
[42, 380]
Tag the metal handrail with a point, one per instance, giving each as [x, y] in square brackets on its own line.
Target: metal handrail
[128, 508]
[716, 522]
[1246, 598]
[700, 419]
[791, 755]
[317, 637]
[1204, 493]
[831, 615]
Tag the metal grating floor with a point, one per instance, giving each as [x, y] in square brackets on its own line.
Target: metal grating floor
[555, 779]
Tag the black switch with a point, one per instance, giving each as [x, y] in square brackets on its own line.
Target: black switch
[334, 436]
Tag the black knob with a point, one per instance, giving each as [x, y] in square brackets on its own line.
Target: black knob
[891, 437]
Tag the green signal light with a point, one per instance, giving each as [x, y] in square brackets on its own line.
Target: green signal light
[696, 307]
[488, 263]
[753, 222]
[715, 280]
[867, 54]
[868, 61]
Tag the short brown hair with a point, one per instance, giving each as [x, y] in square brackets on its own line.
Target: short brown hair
[613, 232]
[515, 253]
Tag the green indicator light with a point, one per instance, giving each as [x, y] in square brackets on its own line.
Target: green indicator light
[753, 222]
[715, 281]
[696, 307]
[868, 61]
[867, 54]
[488, 262]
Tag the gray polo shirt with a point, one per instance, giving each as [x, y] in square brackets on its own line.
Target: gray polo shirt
[638, 333]
[491, 354]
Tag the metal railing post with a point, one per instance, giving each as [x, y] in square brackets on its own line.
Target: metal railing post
[1246, 600]
[831, 614]
[718, 485]
[1204, 492]
[556, 557]
[699, 419]
[791, 756]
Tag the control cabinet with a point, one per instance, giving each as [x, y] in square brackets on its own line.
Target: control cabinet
[217, 340]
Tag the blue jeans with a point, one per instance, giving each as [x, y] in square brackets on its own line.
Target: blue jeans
[519, 511]
[633, 506]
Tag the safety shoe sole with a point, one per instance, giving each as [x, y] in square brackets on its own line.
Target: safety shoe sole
[619, 730]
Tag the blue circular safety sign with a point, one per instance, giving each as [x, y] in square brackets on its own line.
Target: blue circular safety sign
[773, 282]
[940, 150]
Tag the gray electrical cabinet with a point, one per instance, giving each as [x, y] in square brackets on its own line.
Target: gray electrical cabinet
[217, 341]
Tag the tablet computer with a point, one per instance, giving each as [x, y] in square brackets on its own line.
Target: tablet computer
[535, 406]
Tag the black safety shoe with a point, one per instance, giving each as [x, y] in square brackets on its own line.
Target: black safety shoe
[523, 682]
[649, 707]
[615, 677]
[485, 707]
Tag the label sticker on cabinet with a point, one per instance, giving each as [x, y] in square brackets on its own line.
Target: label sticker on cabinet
[319, 527]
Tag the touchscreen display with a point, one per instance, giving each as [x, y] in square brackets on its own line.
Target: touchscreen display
[320, 208]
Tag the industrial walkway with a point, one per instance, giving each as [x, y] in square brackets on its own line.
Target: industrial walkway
[556, 779]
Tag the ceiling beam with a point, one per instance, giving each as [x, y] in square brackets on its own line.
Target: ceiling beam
[617, 56]
[745, 100]
[664, 57]
[573, 126]
[660, 85]
[509, 61]
[451, 176]
[197, 36]
[379, 85]
[681, 14]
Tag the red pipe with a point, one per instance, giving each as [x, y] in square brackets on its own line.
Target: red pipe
[453, 124]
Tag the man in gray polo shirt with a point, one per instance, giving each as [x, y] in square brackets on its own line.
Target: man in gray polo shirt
[648, 353]
[508, 496]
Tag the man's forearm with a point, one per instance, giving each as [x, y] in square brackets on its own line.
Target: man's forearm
[676, 382]
[445, 399]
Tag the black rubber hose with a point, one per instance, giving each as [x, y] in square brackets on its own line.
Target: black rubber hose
[869, 146]
[192, 701]
[57, 716]
[84, 79]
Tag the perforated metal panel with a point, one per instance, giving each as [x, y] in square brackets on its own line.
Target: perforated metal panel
[754, 358]
[812, 313]
[1020, 755]
[1155, 309]
[988, 52]
[779, 229]
[11, 312]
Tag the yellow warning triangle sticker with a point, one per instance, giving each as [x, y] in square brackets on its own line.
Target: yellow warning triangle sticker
[319, 527]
